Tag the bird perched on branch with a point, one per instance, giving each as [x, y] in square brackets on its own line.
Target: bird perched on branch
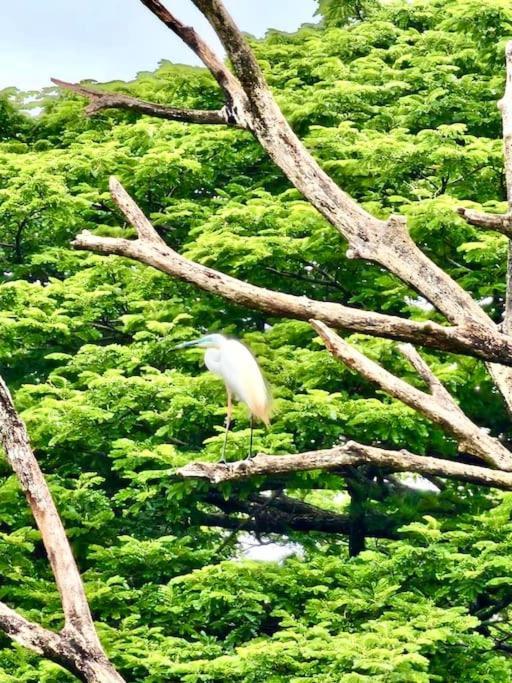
[234, 363]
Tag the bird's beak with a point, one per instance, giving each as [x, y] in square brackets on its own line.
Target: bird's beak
[185, 345]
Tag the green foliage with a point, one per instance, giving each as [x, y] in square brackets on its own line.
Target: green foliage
[341, 12]
[398, 102]
[13, 124]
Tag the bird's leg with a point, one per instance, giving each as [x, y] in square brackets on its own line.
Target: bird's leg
[229, 411]
[251, 423]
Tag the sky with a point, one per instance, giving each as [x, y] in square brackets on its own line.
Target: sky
[114, 39]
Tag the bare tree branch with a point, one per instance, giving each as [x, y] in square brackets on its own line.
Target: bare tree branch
[79, 630]
[470, 339]
[15, 441]
[385, 242]
[437, 389]
[439, 406]
[99, 100]
[244, 63]
[233, 92]
[65, 648]
[488, 221]
[145, 231]
[350, 454]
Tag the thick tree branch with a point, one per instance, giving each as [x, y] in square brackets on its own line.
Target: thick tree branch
[244, 63]
[79, 630]
[67, 649]
[350, 454]
[439, 406]
[14, 439]
[150, 249]
[99, 100]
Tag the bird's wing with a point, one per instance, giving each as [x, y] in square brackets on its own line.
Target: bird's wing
[212, 360]
[244, 378]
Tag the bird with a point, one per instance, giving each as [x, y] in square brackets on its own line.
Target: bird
[232, 361]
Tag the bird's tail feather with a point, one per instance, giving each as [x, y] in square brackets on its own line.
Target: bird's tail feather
[263, 411]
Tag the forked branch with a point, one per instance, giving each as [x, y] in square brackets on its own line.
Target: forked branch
[150, 249]
[233, 112]
[228, 83]
[439, 406]
[77, 647]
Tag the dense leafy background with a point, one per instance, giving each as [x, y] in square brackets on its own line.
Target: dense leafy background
[399, 105]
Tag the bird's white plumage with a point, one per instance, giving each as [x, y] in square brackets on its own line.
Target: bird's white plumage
[233, 361]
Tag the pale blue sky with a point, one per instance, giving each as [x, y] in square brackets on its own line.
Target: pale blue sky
[109, 39]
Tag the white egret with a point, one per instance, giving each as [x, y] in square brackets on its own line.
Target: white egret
[234, 363]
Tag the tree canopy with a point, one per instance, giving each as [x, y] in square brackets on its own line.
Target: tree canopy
[388, 579]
